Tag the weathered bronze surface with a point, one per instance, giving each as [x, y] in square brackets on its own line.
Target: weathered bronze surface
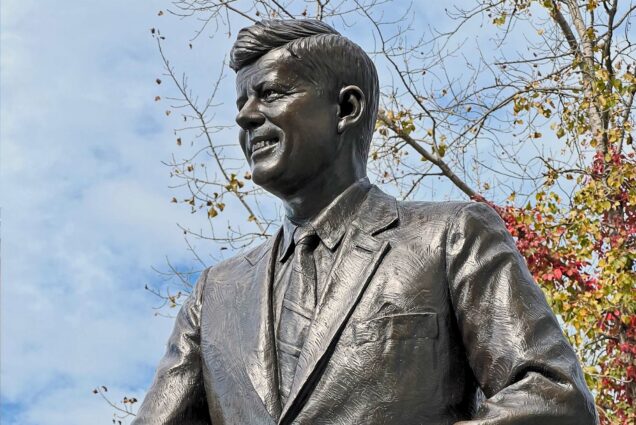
[425, 313]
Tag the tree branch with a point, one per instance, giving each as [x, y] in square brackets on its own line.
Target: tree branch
[435, 159]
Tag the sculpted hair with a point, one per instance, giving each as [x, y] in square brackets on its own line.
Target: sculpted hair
[328, 59]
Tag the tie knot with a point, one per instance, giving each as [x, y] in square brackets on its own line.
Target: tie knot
[306, 236]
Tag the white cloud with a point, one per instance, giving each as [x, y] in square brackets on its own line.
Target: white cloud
[85, 207]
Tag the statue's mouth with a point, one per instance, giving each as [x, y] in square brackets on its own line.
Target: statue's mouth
[264, 143]
[264, 146]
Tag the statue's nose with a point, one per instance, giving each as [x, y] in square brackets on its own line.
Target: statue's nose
[249, 118]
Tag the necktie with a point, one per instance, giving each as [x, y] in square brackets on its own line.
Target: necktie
[298, 307]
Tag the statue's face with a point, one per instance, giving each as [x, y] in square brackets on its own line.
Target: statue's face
[288, 126]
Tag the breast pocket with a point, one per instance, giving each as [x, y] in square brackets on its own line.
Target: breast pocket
[397, 327]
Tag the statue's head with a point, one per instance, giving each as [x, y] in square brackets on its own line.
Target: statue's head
[307, 100]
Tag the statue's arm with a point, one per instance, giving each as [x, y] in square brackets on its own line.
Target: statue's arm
[516, 349]
[177, 395]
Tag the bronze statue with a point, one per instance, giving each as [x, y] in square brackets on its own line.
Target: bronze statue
[362, 310]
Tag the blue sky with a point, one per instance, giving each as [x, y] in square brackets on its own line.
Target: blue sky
[86, 210]
[85, 207]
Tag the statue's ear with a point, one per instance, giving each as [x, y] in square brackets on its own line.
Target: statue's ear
[351, 105]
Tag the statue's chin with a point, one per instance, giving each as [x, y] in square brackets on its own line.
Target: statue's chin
[267, 176]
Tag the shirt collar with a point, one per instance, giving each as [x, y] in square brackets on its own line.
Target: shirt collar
[332, 222]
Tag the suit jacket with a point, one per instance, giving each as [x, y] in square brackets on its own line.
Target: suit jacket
[429, 316]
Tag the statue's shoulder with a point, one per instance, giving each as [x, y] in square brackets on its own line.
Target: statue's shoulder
[465, 217]
[241, 260]
[411, 213]
[415, 212]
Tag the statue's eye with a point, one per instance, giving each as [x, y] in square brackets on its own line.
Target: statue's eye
[269, 95]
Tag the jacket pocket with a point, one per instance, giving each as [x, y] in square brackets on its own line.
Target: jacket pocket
[396, 327]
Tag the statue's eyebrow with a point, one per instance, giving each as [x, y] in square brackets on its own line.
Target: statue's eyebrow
[272, 84]
[265, 82]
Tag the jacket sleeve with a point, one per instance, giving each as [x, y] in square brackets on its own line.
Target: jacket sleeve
[177, 394]
[514, 344]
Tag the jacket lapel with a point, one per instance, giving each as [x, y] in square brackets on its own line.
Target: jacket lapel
[357, 260]
[260, 358]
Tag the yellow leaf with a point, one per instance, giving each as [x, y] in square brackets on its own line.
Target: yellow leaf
[441, 150]
[500, 20]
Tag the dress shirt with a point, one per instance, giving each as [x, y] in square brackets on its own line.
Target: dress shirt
[330, 226]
